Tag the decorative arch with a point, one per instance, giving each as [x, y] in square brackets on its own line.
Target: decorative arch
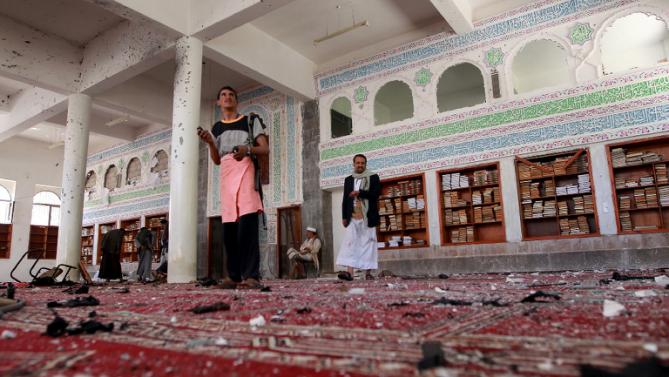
[460, 85]
[46, 209]
[393, 102]
[634, 40]
[133, 172]
[540, 63]
[160, 162]
[112, 178]
[341, 117]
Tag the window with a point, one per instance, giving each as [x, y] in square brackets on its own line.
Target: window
[635, 41]
[341, 123]
[134, 172]
[6, 205]
[112, 179]
[46, 209]
[460, 86]
[159, 162]
[540, 64]
[393, 102]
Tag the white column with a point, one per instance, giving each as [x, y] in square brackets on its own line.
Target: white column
[432, 193]
[184, 160]
[74, 175]
[511, 207]
[606, 213]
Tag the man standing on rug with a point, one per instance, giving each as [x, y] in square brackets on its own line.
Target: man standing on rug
[360, 216]
[144, 245]
[232, 146]
[110, 266]
[308, 253]
[164, 244]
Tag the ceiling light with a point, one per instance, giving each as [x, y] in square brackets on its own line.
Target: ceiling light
[341, 31]
[118, 120]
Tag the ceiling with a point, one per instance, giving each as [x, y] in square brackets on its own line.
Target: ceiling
[53, 135]
[214, 76]
[387, 19]
[76, 21]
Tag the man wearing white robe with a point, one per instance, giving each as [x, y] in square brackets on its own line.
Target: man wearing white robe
[360, 216]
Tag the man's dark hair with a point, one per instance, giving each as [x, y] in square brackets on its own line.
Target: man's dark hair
[360, 155]
[218, 96]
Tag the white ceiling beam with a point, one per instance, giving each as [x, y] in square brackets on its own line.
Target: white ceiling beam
[121, 53]
[259, 56]
[168, 16]
[30, 107]
[35, 58]
[458, 14]
[212, 18]
[141, 98]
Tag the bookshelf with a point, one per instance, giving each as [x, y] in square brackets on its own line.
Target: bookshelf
[471, 205]
[128, 249]
[5, 240]
[87, 236]
[641, 185]
[402, 213]
[153, 223]
[556, 196]
[44, 240]
[104, 228]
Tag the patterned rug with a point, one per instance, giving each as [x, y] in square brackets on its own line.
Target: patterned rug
[329, 328]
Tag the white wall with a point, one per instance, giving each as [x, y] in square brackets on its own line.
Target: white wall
[28, 163]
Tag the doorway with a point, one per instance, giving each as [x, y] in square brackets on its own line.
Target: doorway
[289, 231]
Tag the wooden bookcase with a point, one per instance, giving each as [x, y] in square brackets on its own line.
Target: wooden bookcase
[128, 249]
[153, 223]
[471, 205]
[44, 241]
[87, 236]
[557, 199]
[5, 240]
[104, 228]
[641, 185]
[403, 213]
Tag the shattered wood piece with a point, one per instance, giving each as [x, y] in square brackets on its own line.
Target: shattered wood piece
[539, 295]
[76, 302]
[433, 356]
[219, 306]
[448, 301]
[304, 310]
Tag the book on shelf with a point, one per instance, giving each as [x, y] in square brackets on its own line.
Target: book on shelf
[663, 191]
[620, 157]
[625, 221]
[661, 174]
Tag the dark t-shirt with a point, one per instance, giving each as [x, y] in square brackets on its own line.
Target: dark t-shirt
[232, 134]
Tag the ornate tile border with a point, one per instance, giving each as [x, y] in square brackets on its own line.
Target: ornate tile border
[483, 148]
[121, 150]
[513, 112]
[430, 49]
[135, 209]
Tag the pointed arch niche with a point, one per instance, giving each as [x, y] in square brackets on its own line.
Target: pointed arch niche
[638, 40]
[460, 86]
[341, 121]
[540, 64]
[393, 102]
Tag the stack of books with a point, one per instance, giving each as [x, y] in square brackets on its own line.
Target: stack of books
[525, 189]
[579, 207]
[549, 208]
[420, 202]
[477, 199]
[524, 172]
[625, 221]
[549, 188]
[651, 197]
[478, 214]
[527, 210]
[625, 202]
[563, 208]
[414, 220]
[534, 190]
[452, 199]
[538, 209]
[498, 212]
[485, 177]
[453, 181]
[661, 174]
[618, 157]
[464, 234]
[640, 198]
[664, 195]
[646, 181]
[489, 195]
[583, 183]
[588, 204]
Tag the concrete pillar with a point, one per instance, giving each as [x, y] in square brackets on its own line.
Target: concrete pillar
[508, 180]
[606, 213]
[432, 193]
[184, 164]
[74, 175]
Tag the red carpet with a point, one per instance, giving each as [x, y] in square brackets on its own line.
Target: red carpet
[378, 332]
